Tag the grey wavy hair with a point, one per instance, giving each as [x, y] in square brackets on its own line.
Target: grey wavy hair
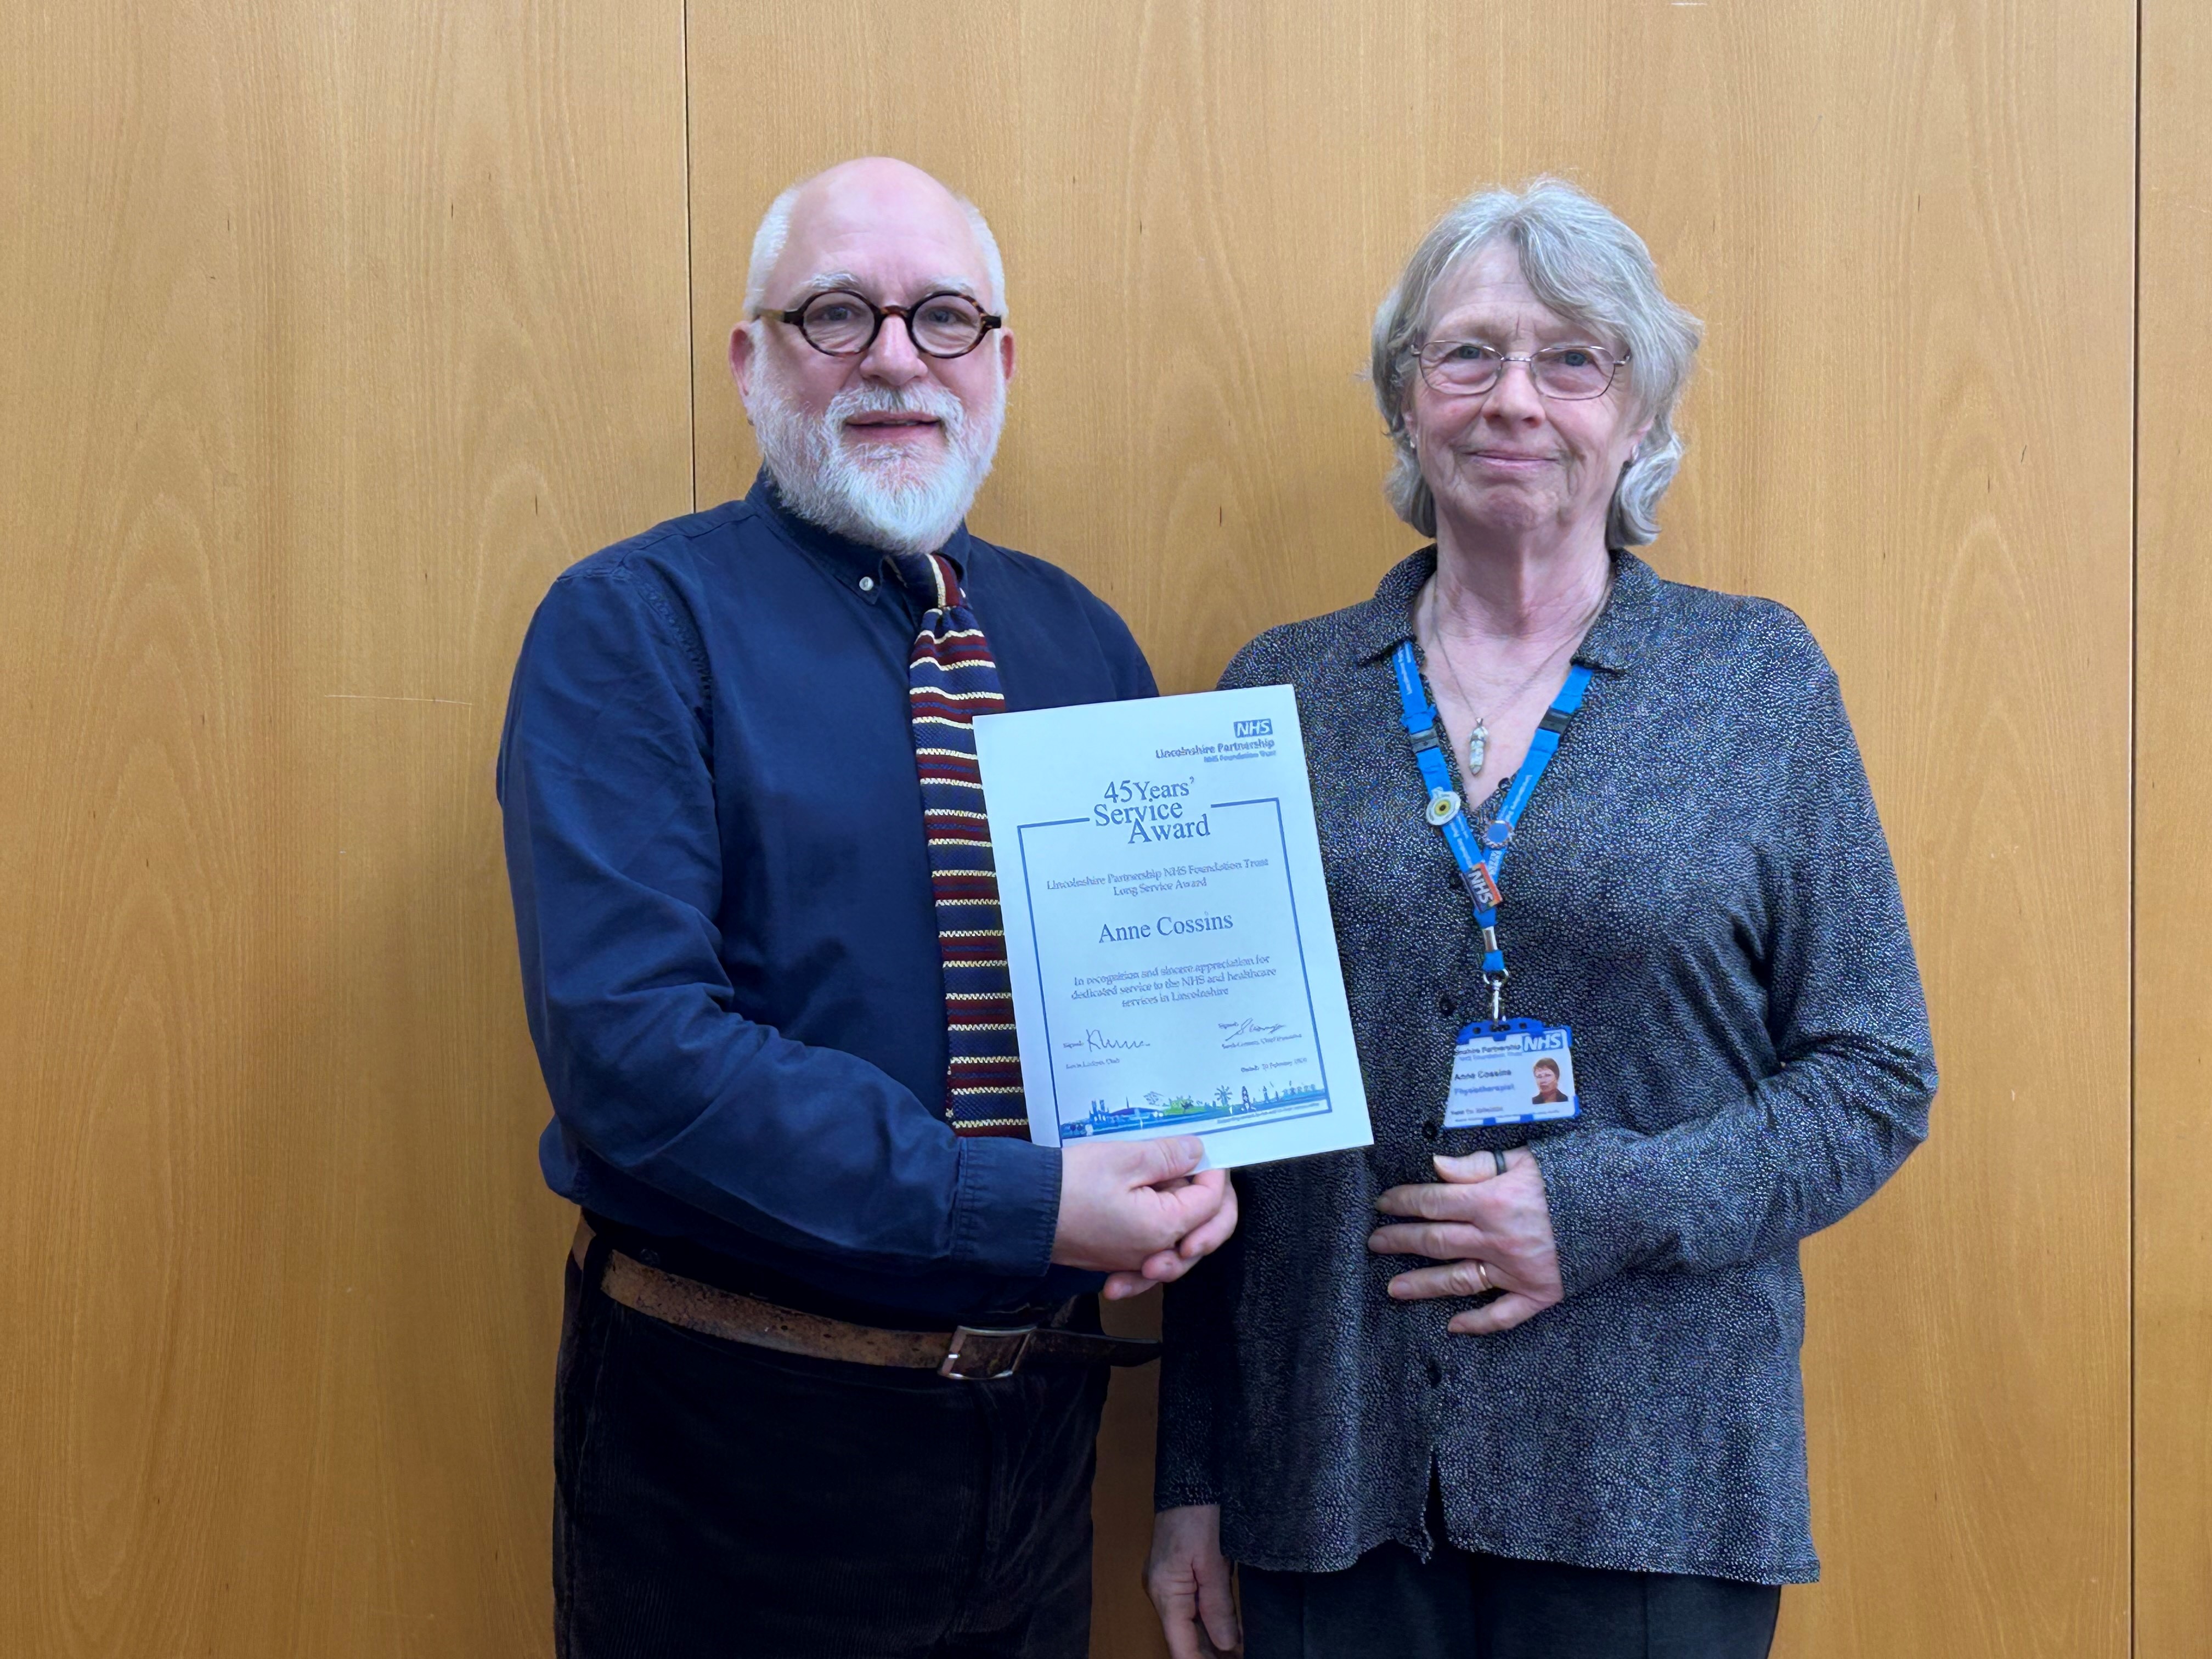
[1595, 271]
[775, 231]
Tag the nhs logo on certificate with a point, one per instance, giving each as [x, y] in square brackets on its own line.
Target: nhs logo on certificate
[1174, 967]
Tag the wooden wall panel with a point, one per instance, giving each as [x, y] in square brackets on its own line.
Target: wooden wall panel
[332, 333]
[2173, 874]
[1906, 226]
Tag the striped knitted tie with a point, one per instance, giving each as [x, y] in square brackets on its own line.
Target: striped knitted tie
[951, 679]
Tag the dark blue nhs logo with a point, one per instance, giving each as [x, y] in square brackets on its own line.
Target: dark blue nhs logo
[1255, 729]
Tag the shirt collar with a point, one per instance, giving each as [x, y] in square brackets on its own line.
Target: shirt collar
[1616, 638]
[1613, 642]
[846, 559]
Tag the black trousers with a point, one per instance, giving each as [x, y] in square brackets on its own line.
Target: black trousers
[715, 1498]
[1390, 1605]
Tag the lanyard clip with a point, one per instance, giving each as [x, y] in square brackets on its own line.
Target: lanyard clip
[1496, 979]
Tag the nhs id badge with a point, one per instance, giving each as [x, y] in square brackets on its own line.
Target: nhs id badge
[1519, 1070]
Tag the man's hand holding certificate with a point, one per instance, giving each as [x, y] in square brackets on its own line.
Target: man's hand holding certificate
[1175, 968]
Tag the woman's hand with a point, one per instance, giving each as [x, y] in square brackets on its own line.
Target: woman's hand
[1188, 1582]
[1494, 1231]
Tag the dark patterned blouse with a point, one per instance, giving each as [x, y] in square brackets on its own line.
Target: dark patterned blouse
[1699, 888]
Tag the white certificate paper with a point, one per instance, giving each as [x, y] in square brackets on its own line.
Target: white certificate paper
[1174, 964]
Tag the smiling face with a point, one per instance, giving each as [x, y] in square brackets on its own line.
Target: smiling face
[888, 446]
[1508, 463]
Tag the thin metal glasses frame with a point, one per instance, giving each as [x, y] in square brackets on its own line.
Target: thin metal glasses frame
[1422, 360]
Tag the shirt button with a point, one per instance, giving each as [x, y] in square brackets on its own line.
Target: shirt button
[1433, 1128]
[1446, 1004]
[867, 584]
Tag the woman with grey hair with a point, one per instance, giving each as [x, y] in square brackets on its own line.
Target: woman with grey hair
[1522, 1379]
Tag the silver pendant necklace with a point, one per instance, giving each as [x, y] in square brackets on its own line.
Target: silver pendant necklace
[1477, 741]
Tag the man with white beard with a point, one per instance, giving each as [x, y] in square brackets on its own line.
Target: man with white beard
[830, 1370]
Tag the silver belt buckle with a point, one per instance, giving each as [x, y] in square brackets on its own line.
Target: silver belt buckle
[984, 1356]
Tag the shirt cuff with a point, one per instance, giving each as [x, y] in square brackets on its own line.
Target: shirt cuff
[1182, 1490]
[1005, 1205]
[1590, 1186]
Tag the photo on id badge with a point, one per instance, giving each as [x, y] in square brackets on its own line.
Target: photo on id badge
[1521, 1071]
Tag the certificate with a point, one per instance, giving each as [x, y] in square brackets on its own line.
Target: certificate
[1174, 964]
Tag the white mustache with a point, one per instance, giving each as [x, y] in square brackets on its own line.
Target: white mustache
[935, 402]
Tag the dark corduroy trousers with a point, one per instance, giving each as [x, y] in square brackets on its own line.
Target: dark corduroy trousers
[1389, 1604]
[715, 1498]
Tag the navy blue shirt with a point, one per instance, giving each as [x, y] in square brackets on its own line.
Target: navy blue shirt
[722, 893]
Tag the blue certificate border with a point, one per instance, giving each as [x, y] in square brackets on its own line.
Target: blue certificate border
[1326, 1104]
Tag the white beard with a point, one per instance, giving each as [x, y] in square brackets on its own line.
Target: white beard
[886, 497]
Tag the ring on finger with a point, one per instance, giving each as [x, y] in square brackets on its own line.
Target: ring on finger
[1482, 1278]
[1498, 1158]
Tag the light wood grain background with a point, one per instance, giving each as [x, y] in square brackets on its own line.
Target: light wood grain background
[2173, 874]
[331, 334]
[334, 332]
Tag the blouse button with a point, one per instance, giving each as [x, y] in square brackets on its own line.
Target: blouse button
[1433, 1128]
[867, 584]
[1445, 1005]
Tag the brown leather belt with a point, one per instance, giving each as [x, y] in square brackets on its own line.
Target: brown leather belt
[968, 1354]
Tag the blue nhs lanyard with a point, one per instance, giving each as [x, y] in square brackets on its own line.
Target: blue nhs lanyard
[1478, 866]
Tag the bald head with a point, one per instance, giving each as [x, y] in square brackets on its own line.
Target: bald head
[863, 201]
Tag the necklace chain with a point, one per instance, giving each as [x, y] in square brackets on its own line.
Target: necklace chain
[1477, 741]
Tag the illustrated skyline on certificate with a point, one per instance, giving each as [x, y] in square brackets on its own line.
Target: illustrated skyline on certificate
[1174, 962]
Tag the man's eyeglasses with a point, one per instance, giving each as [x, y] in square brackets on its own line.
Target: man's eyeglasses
[842, 323]
[1459, 368]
